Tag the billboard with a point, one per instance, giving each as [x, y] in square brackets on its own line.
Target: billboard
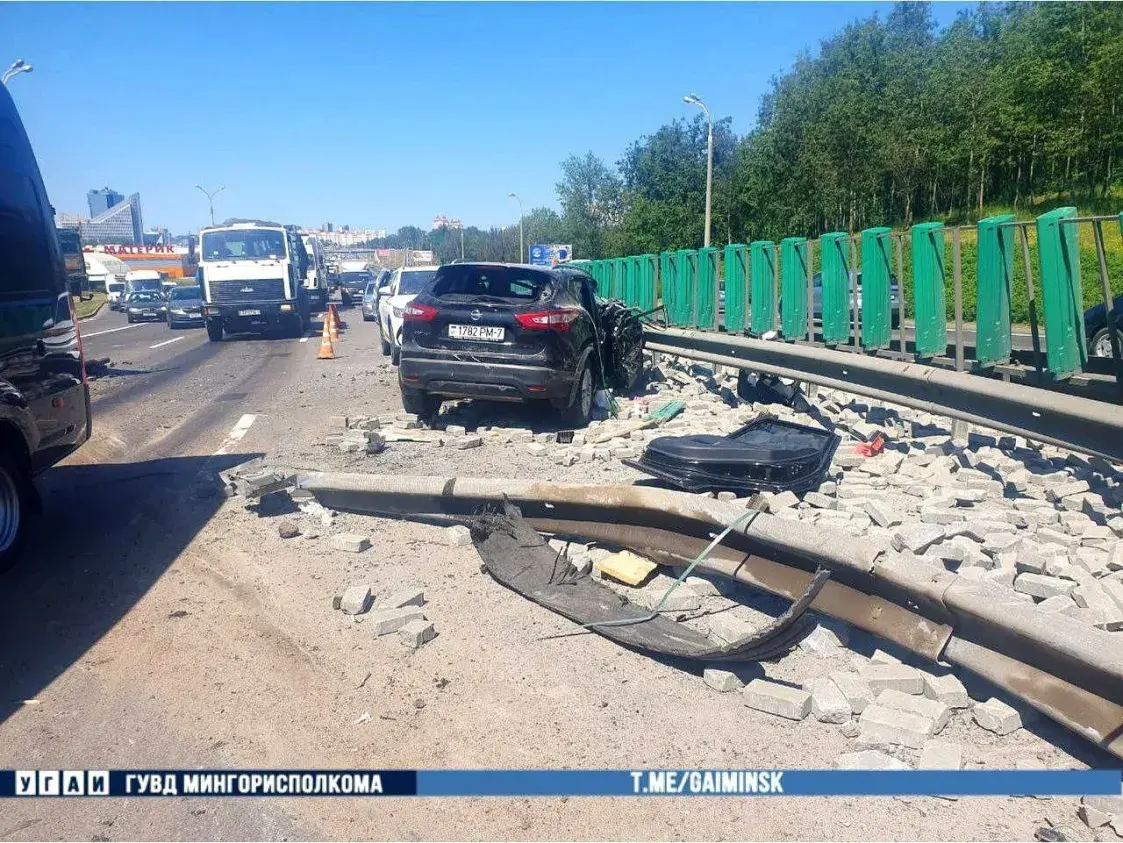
[549, 255]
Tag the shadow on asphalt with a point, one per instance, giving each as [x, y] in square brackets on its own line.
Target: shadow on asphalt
[107, 533]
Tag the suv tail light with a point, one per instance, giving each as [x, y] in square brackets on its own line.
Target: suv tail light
[549, 320]
[417, 312]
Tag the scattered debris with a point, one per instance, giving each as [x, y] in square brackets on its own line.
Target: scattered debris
[287, 529]
[626, 567]
[417, 632]
[457, 536]
[355, 600]
[350, 542]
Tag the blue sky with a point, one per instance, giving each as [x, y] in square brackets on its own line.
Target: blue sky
[376, 115]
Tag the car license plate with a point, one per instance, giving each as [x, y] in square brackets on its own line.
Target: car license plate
[249, 312]
[475, 332]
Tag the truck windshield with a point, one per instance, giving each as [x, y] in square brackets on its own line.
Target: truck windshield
[244, 244]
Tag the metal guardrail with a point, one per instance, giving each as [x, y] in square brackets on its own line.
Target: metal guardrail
[1093, 427]
[762, 289]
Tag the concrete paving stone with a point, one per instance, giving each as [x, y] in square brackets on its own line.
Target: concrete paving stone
[1048, 534]
[899, 676]
[456, 430]
[933, 710]
[881, 514]
[940, 755]
[941, 515]
[850, 729]
[401, 597]
[819, 500]
[917, 537]
[355, 600]
[1115, 558]
[1059, 603]
[386, 621]
[869, 759]
[1074, 523]
[722, 680]
[774, 698]
[457, 536]
[1042, 585]
[822, 640]
[1003, 576]
[979, 530]
[972, 573]
[1115, 524]
[882, 725]
[1093, 817]
[338, 422]
[1091, 559]
[879, 656]
[416, 632]
[782, 501]
[1107, 804]
[828, 704]
[702, 586]
[1029, 559]
[828, 488]
[727, 628]
[947, 689]
[999, 542]
[469, 442]
[1114, 589]
[682, 599]
[536, 449]
[996, 716]
[350, 542]
[855, 689]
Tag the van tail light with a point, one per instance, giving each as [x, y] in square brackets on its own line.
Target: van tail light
[560, 319]
[417, 312]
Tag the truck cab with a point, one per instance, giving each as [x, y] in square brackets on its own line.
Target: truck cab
[252, 276]
[316, 279]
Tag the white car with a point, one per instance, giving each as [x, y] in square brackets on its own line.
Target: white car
[404, 284]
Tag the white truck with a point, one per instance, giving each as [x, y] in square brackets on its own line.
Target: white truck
[316, 280]
[252, 276]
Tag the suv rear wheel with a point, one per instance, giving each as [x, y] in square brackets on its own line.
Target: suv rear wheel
[578, 409]
[420, 403]
[14, 499]
[382, 339]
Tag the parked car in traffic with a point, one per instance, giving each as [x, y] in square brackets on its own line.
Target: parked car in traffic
[352, 284]
[146, 306]
[115, 291]
[148, 280]
[503, 331]
[404, 284]
[1095, 327]
[45, 413]
[185, 307]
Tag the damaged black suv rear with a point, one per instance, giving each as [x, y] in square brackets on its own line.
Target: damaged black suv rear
[515, 333]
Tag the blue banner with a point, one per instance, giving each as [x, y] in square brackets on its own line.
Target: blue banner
[669, 782]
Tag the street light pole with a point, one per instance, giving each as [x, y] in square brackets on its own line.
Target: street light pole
[210, 196]
[693, 99]
[522, 242]
[18, 66]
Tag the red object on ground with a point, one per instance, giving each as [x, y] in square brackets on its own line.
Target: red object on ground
[871, 448]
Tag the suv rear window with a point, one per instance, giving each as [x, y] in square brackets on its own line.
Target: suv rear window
[506, 283]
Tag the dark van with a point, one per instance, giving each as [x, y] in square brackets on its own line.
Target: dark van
[44, 399]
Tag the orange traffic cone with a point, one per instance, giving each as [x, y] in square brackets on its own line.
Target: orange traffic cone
[330, 324]
[326, 351]
[336, 318]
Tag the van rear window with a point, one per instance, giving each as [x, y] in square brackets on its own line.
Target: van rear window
[508, 283]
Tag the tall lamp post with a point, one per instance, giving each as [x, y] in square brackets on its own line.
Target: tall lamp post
[522, 243]
[18, 66]
[457, 224]
[692, 99]
[211, 194]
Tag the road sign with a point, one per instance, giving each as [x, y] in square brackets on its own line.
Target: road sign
[549, 255]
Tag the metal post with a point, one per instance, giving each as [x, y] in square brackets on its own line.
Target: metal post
[901, 291]
[810, 290]
[709, 172]
[776, 287]
[1032, 304]
[957, 280]
[1097, 229]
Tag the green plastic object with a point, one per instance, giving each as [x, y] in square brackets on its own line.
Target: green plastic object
[762, 284]
[1058, 250]
[877, 314]
[835, 294]
[928, 281]
[793, 287]
[668, 284]
[620, 274]
[995, 275]
[706, 313]
[645, 284]
[736, 287]
[687, 281]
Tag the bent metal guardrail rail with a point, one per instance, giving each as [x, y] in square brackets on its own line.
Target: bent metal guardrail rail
[765, 287]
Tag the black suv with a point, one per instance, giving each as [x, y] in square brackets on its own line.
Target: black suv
[45, 411]
[507, 332]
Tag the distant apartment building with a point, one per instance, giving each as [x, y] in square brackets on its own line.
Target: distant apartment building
[102, 200]
[119, 223]
[347, 236]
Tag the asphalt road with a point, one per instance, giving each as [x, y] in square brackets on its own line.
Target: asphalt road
[170, 411]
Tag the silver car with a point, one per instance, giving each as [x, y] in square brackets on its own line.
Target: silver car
[370, 301]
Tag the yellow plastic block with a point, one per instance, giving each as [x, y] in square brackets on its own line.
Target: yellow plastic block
[626, 567]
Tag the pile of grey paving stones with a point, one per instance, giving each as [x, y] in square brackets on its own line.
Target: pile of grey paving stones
[397, 611]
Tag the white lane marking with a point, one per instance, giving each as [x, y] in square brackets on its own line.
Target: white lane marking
[236, 433]
[111, 330]
[166, 342]
[305, 337]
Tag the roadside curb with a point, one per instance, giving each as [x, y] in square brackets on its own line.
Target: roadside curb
[95, 313]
